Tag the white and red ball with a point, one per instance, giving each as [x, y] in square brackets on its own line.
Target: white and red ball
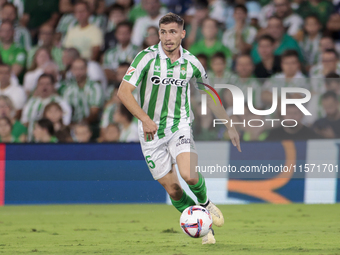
[195, 221]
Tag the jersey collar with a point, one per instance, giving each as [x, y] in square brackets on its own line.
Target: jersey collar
[164, 56]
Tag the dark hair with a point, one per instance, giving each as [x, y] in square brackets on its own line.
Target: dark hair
[153, 27]
[244, 55]
[202, 55]
[329, 94]
[49, 76]
[11, 5]
[82, 124]
[332, 51]
[81, 59]
[266, 37]
[171, 18]
[46, 124]
[116, 7]
[73, 51]
[289, 53]
[242, 7]
[84, 3]
[332, 77]
[326, 36]
[124, 24]
[5, 65]
[125, 112]
[214, 20]
[201, 4]
[275, 17]
[219, 54]
[126, 64]
[313, 16]
[9, 122]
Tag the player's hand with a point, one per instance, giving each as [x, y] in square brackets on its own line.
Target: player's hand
[149, 128]
[234, 138]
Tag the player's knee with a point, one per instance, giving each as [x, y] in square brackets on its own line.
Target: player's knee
[175, 191]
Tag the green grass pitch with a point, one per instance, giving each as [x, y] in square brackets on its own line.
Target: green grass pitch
[154, 229]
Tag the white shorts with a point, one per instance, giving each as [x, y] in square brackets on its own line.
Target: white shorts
[160, 154]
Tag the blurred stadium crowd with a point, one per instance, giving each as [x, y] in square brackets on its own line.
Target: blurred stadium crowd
[61, 63]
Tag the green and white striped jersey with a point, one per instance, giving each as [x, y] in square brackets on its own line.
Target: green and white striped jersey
[22, 37]
[34, 109]
[117, 55]
[107, 116]
[163, 87]
[83, 99]
[310, 49]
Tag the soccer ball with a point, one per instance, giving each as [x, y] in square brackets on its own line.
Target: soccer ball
[195, 221]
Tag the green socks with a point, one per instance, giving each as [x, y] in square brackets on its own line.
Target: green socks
[200, 190]
[183, 203]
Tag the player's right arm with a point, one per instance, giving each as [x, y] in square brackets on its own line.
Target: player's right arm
[126, 97]
[132, 79]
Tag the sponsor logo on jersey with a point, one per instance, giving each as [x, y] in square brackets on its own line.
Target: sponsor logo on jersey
[156, 80]
[130, 70]
[183, 140]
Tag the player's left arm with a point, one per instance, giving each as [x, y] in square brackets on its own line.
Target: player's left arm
[217, 109]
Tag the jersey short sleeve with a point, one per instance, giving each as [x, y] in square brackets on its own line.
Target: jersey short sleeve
[138, 68]
[199, 78]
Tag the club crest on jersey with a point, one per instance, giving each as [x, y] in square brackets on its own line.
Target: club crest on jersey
[156, 80]
[183, 72]
[130, 70]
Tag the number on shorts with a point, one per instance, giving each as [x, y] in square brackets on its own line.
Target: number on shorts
[151, 164]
